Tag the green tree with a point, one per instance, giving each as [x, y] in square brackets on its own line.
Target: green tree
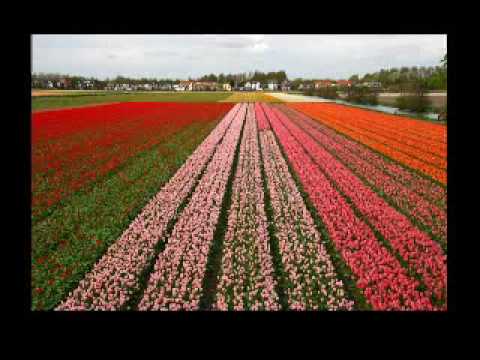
[354, 79]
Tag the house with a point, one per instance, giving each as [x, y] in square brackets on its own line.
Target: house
[227, 87]
[248, 86]
[285, 86]
[178, 87]
[85, 84]
[166, 87]
[322, 84]
[344, 83]
[187, 85]
[63, 83]
[256, 86]
[124, 87]
[272, 86]
[305, 86]
[205, 86]
[372, 84]
[110, 86]
[50, 84]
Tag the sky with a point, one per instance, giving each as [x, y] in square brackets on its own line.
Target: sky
[183, 56]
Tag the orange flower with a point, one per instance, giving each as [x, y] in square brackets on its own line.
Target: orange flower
[417, 144]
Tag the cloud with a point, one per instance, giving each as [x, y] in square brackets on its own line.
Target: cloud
[183, 56]
[161, 52]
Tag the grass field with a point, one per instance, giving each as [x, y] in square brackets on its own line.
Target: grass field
[80, 99]
[251, 97]
[59, 92]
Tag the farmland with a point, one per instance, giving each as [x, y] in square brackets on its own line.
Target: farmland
[57, 99]
[235, 202]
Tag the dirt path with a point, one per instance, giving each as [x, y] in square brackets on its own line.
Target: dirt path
[296, 98]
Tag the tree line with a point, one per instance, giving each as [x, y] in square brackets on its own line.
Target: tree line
[233, 79]
[399, 79]
[240, 79]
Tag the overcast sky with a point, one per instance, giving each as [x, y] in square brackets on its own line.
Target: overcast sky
[183, 56]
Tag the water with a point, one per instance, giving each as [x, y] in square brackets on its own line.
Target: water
[388, 109]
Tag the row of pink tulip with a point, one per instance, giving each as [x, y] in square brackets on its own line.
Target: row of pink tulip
[423, 211]
[262, 120]
[385, 283]
[422, 186]
[176, 281]
[422, 254]
[114, 278]
[246, 279]
[312, 282]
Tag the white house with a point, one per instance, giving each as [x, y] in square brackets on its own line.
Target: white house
[227, 87]
[272, 86]
[285, 86]
[372, 84]
[256, 86]
[187, 85]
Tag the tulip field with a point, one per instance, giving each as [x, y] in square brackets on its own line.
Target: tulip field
[237, 206]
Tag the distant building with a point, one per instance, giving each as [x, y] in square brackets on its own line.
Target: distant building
[285, 86]
[205, 86]
[256, 86]
[323, 84]
[227, 87]
[166, 87]
[372, 84]
[187, 85]
[63, 83]
[272, 86]
[305, 86]
[85, 84]
[344, 83]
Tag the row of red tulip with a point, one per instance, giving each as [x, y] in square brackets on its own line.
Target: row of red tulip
[385, 283]
[176, 281]
[312, 282]
[422, 254]
[73, 148]
[246, 279]
[422, 186]
[115, 276]
[420, 209]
